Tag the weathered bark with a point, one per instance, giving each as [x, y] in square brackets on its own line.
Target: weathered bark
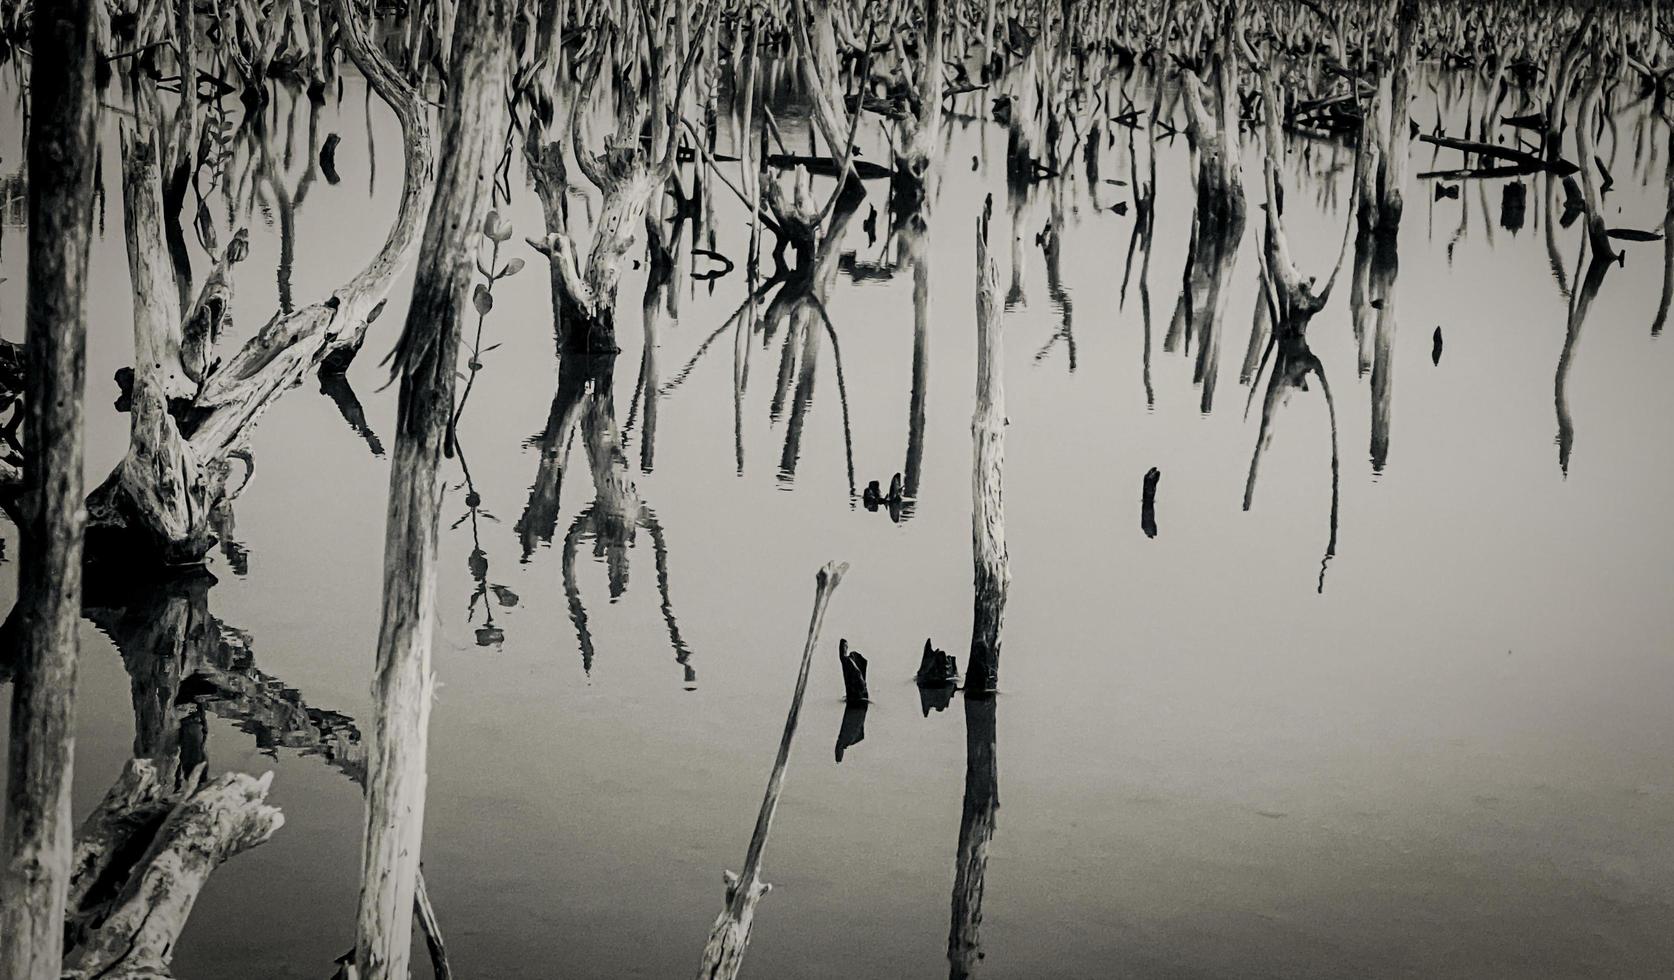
[627, 173]
[723, 954]
[134, 936]
[158, 504]
[988, 435]
[921, 129]
[35, 841]
[425, 362]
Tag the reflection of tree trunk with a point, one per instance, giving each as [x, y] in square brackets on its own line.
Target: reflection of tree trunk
[976, 830]
[808, 329]
[35, 833]
[1385, 267]
[1667, 245]
[921, 371]
[540, 513]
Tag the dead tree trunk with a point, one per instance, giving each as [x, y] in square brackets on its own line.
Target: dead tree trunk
[425, 363]
[628, 173]
[988, 447]
[921, 129]
[156, 506]
[36, 840]
[1385, 131]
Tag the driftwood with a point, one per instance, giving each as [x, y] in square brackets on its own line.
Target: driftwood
[133, 934]
[35, 840]
[425, 363]
[723, 954]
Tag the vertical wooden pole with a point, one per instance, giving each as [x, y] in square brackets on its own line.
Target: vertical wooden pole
[425, 362]
[988, 444]
[36, 840]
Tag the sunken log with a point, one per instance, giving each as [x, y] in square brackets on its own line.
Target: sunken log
[723, 954]
[35, 843]
[425, 363]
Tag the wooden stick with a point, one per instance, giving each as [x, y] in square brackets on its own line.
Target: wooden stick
[35, 843]
[425, 362]
[723, 954]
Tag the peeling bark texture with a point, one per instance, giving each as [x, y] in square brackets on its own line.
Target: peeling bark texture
[135, 935]
[988, 447]
[723, 954]
[425, 363]
[35, 842]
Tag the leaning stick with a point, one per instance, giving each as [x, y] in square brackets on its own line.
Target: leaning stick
[724, 953]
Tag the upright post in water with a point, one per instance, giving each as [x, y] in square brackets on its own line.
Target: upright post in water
[424, 362]
[988, 443]
[36, 840]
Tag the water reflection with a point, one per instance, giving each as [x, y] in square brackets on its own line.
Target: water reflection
[185, 663]
[584, 405]
[977, 815]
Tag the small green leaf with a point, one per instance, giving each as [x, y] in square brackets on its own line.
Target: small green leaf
[496, 227]
[483, 299]
[512, 268]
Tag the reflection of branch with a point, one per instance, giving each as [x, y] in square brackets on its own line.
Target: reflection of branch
[335, 385]
[1291, 367]
[1580, 304]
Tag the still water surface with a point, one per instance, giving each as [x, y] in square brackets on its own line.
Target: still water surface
[1451, 759]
